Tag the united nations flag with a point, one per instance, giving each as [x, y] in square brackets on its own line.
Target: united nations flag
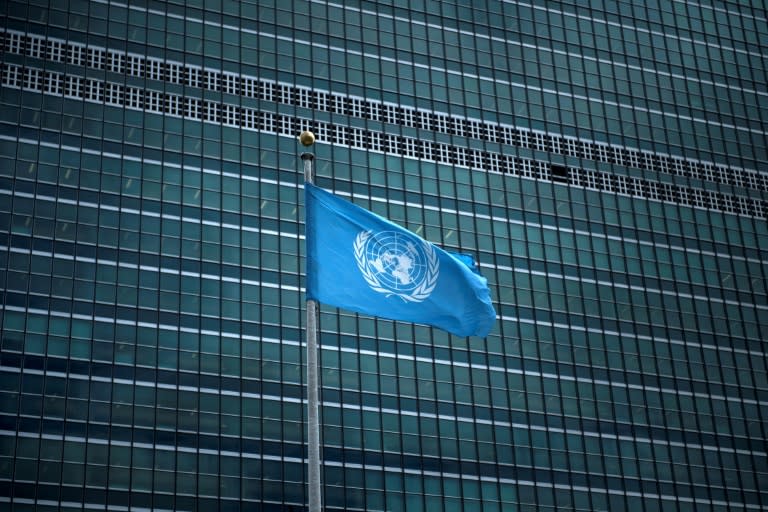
[362, 262]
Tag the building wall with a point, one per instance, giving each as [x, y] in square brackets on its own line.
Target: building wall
[605, 162]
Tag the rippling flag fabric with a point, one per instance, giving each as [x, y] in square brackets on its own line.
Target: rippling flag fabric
[362, 262]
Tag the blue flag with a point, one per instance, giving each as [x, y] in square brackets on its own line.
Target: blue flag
[362, 262]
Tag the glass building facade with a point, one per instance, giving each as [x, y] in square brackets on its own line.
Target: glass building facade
[604, 161]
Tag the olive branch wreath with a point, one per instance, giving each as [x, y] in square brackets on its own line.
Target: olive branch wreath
[420, 293]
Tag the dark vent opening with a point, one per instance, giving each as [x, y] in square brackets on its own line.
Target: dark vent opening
[559, 173]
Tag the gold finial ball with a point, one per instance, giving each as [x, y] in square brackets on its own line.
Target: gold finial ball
[307, 138]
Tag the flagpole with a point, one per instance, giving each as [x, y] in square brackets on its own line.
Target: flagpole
[313, 385]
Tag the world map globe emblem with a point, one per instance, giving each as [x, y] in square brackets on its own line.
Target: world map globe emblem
[397, 261]
[397, 264]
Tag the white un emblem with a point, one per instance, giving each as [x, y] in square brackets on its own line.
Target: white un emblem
[395, 263]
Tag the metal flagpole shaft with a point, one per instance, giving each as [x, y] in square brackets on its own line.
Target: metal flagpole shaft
[313, 384]
[313, 428]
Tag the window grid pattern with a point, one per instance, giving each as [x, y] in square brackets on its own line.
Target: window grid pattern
[90, 89]
[151, 353]
[157, 69]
